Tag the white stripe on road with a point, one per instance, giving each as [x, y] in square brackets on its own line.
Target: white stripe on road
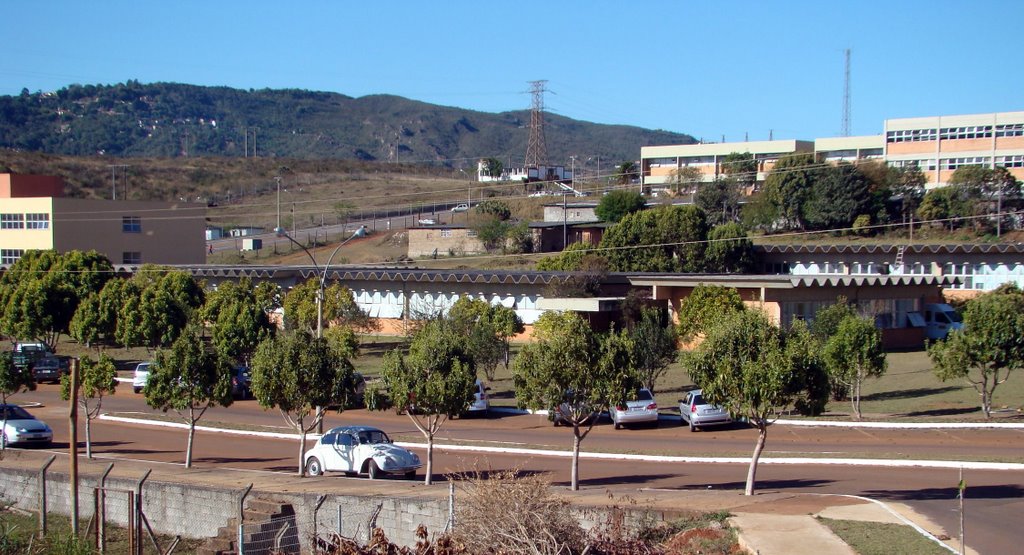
[969, 465]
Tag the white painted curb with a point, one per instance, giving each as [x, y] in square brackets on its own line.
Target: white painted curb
[969, 465]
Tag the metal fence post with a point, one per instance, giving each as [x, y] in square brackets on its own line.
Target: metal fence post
[135, 545]
[241, 520]
[100, 513]
[42, 496]
[451, 506]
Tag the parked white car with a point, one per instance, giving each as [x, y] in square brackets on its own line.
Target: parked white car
[21, 428]
[141, 376]
[460, 208]
[359, 450]
[426, 221]
[481, 404]
[641, 409]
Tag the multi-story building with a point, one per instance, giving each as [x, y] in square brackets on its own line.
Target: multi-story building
[659, 164]
[938, 145]
[34, 215]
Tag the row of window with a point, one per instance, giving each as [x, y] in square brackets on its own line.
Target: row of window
[956, 163]
[953, 133]
[888, 313]
[1010, 161]
[448, 233]
[25, 221]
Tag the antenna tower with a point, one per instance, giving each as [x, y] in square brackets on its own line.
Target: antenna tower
[846, 98]
[536, 148]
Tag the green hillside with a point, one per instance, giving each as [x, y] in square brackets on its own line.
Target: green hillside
[170, 120]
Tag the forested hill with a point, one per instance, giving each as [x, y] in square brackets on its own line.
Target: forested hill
[174, 120]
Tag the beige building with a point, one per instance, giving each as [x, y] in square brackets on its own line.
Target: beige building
[939, 145]
[34, 215]
[659, 164]
[443, 240]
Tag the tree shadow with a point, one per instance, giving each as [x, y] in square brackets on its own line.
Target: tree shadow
[234, 460]
[944, 412]
[490, 473]
[762, 485]
[1004, 491]
[909, 393]
[616, 480]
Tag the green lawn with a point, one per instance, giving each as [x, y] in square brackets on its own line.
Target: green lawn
[879, 538]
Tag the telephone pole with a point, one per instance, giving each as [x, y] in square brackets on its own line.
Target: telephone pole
[536, 148]
[113, 179]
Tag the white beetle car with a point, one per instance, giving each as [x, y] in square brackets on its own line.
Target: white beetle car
[359, 450]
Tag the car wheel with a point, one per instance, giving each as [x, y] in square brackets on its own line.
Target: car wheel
[137, 389]
[313, 467]
[692, 427]
[372, 470]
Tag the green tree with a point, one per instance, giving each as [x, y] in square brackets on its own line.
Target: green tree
[86, 325]
[729, 250]
[237, 322]
[663, 239]
[740, 166]
[988, 348]
[431, 383]
[685, 180]
[296, 373]
[760, 213]
[493, 167]
[492, 232]
[839, 194]
[573, 374]
[566, 261]
[627, 172]
[789, 186]
[96, 379]
[720, 200]
[494, 208]
[745, 365]
[338, 308]
[704, 307]
[618, 204]
[13, 380]
[188, 379]
[853, 354]
[908, 185]
[486, 329]
[40, 293]
[944, 206]
[655, 344]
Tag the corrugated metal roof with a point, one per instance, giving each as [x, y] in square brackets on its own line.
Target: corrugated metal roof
[948, 248]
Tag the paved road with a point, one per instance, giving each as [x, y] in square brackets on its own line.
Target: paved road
[995, 498]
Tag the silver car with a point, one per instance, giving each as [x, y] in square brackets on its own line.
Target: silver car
[696, 412]
[21, 428]
[641, 409]
[141, 376]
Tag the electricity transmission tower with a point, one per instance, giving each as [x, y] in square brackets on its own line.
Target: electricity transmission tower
[846, 98]
[536, 148]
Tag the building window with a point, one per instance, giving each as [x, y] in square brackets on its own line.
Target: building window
[975, 132]
[778, 268]
[866, 268]
[1016, 161]
[37, 221]
[446, 233]
[470, 233]
[963, 271]
[954, 163]
[910, 135]
[10, 256]
[1010, 130]
[131, 257]
[131, 224]
[12, 221]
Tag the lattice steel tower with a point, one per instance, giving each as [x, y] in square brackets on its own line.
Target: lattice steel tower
[846, 98]
[536, 148]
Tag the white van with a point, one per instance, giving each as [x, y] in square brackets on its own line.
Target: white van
[940, 319]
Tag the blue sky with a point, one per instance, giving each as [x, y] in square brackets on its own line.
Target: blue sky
[704, 68]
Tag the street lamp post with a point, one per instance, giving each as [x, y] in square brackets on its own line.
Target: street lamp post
[322, 278]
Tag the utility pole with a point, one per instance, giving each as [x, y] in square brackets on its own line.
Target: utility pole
[113, 179]
[73, 444]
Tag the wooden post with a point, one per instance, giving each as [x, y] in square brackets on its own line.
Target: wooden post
[73, 445]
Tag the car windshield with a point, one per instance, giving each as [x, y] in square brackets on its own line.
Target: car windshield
[698, 400]
[15, 413]
[369, 437]
[644, 395]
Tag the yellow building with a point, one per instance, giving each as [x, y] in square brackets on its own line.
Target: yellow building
[939, 145]
[34, 215]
